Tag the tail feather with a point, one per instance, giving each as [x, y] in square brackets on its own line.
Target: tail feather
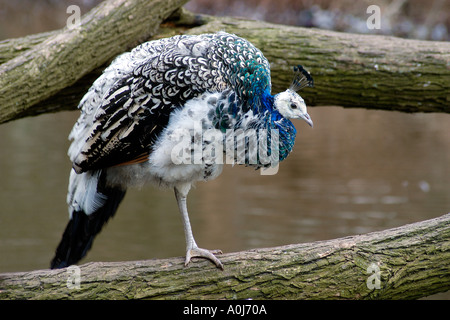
[91, 204]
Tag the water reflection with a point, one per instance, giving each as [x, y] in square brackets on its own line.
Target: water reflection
[357, 171]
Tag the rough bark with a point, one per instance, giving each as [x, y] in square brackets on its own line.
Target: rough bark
[50, 72]
[57, 60]
[411, 261]
[351, 70]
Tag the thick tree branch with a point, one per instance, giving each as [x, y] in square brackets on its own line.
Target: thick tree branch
[408, 262]
[351, 70]
[66, 56]
[50, 72]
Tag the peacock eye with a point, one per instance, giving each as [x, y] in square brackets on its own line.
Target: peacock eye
[293, 106]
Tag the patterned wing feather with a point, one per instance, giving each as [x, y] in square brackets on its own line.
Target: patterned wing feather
[126, 109]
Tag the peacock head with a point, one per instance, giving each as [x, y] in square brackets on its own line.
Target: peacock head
[289, 103]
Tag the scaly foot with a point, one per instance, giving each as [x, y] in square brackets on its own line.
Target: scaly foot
[197, 252]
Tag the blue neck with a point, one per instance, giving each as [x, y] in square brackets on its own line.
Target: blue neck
[229, 113]
[274, 120]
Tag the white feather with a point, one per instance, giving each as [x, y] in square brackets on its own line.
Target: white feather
[83, 195]
[163, 168]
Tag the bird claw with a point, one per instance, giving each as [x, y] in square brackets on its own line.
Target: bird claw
[203, 253]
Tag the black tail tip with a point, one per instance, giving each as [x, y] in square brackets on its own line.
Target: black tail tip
[57, 263]
[82, 227]
[76, 241]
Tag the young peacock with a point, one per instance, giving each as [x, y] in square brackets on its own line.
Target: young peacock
[166, 113]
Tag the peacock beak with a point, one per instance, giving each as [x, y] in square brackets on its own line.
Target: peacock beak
[308, 120]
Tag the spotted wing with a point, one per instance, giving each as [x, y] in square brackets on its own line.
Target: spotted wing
[130, 104]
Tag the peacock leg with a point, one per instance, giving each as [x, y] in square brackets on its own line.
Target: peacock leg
[192, 250]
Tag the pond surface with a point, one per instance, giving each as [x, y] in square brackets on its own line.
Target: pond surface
[355, 172]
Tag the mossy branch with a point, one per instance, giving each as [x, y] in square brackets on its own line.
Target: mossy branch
[408, 262]
[40, 66]
[51, 71]
[352, 70]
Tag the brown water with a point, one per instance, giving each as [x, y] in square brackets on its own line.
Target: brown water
[357, 171]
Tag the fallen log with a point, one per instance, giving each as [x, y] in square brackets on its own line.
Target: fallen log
[407, 262]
